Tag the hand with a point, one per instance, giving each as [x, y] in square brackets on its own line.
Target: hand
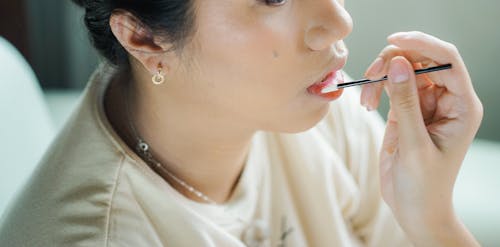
[431, 123]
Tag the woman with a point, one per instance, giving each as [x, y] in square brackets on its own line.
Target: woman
[207, 126]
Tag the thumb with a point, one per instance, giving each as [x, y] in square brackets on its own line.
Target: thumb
[405, 104]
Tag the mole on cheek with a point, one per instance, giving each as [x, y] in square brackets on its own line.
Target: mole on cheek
[275, 54]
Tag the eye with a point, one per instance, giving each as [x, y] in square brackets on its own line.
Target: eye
[274, 2]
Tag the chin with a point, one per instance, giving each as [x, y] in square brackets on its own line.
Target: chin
[301, 123]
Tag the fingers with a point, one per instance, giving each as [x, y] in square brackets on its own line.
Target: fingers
[422, 50]
[428, 46]
[456, 80]
[390, 143]
[405, 104]
[423, 81]
[370, 95]
[380, 65]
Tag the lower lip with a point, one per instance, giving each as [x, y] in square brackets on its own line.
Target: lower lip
[335, 78]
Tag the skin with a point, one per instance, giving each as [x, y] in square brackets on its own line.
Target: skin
[432, 121]
[247, 68]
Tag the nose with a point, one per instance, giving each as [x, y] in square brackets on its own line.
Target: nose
[330, 22]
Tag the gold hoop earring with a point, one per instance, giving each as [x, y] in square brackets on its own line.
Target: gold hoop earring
[158, 78]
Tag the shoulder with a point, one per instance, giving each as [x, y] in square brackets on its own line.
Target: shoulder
[68, 198]
[64, 203]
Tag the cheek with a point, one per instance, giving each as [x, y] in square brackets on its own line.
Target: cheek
[238, 60]
[253, 56]
[252, 70]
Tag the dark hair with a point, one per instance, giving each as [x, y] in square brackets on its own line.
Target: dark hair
[172, 19]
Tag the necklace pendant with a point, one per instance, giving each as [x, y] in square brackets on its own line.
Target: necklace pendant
[142, 146]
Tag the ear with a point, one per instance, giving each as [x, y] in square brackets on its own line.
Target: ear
[138, 40]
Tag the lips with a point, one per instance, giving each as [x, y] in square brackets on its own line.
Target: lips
[326, 87]
[332, 79]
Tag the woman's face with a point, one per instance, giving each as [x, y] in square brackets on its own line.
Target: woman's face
[252, 61]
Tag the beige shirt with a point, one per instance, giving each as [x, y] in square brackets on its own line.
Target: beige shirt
[316, 188]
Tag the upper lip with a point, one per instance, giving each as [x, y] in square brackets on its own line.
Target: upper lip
[336, 64]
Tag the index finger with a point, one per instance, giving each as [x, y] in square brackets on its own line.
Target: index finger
[456, 80]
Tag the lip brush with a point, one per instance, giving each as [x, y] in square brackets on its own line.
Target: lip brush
[417, 72]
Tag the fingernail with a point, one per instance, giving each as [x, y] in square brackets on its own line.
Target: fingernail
[398, 34]
[367, 96]
[398, 72]
[375, 67]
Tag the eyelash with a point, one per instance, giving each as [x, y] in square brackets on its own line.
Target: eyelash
[270, 2]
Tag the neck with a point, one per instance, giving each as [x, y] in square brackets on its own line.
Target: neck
[206, 151]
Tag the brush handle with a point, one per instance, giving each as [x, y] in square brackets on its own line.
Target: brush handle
[417, 72]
